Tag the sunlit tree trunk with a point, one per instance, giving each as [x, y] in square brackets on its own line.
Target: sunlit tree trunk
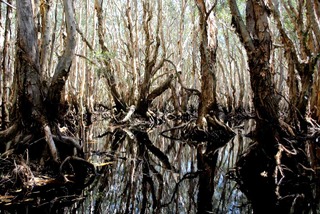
[120, 105]
[255, 36]
[35, 112]
[6, 69]
[133, 48]
[45, 13]
[151, 63]
[206, 162]
[301, 60]
[208, 48]
[228, 73]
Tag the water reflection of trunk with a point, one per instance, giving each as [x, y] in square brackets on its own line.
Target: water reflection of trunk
[140, 152]
[148, 184]
[207, 161]
[116, 138]
[274, 173]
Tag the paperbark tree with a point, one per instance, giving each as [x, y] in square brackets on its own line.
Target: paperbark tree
[261, 170]
[35, 112]
[139, 92]
[108, 70]
[5, 62]
[206, 121]
[208, 48]
[153, 61]
[302, 56]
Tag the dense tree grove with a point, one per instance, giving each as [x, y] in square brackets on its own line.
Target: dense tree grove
[138, 64]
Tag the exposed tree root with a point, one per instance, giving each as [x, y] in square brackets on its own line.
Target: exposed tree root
[276, 182]
[24, 184]
[30, 166]
[51, 144]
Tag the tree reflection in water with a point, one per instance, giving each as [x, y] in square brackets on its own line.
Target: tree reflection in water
[144, 172]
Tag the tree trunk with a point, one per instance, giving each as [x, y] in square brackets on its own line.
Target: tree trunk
[6, 70]
[208, 48]
[255, 36]
[34, 112]
[152, 63]
[63, 68]
[301, 59]
[120, 105]
[256, 39]
[261, 169]
[45, 12]
[27, 72]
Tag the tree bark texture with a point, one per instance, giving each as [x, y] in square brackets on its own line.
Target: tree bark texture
[63, 68]
[35, 111]
[120, 105]
[255, 36]
[152, 63]
[28, 78]
[208, 48]
[5, 61]
[261, 170]
[301, 58]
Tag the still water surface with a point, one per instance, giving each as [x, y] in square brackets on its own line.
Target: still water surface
[131, 179]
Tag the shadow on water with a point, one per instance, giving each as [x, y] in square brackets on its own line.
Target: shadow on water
[145, 172]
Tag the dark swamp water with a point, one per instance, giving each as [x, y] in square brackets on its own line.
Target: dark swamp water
[146, 172]
[141, 170]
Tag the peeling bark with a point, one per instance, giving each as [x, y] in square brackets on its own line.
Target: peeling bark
[152, 63]
[208, 49]
[301, 60]
[267, 156]
[120, 105]
[63, 68]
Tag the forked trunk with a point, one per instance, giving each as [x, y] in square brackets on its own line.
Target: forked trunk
[260, 170]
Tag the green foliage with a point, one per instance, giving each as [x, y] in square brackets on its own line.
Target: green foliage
[104, 55]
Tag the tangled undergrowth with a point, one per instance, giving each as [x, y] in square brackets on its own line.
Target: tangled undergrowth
[23, 183]
[29, 177]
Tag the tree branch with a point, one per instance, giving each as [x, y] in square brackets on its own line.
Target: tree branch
[240, 27]
[10, 5]
[63, 68]
[160, 89]
[312, 18]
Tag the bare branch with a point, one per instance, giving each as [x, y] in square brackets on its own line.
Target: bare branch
[10, 5]
[241, 29]
[285, 38]
[311, 14]
[160, 89]
[63, 68]
[84, 39]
